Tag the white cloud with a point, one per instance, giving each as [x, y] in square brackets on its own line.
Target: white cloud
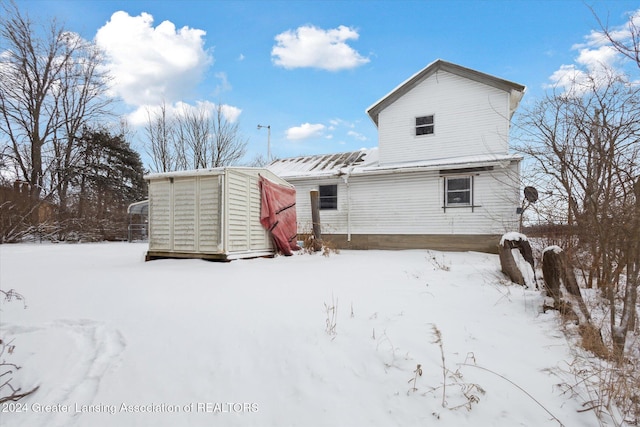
[224, 85]
[231, 113]
[622, 33]
[140, 116]
[150, 64]
[309, 46]
[596, 59]
[357, 135]
[305, 131]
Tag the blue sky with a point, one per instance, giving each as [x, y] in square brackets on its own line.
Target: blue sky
[310, 69]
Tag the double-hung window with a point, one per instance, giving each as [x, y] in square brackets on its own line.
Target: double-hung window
[458, 191]
[424, 125]
[328, 196]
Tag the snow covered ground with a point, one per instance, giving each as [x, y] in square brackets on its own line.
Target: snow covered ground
[112, 340]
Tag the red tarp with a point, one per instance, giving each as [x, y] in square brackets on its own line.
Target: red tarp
[278, 214]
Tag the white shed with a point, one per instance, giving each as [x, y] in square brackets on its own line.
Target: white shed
[208, 214]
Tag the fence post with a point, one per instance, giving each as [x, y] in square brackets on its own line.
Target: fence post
[315, 219]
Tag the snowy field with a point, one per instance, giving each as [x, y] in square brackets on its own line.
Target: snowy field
[112, 340]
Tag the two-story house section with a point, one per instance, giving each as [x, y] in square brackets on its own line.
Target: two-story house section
[441, 177]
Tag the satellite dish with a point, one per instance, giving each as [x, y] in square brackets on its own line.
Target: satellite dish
[531, 194]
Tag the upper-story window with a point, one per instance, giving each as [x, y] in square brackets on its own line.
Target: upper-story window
[328, 196]
[424, 125]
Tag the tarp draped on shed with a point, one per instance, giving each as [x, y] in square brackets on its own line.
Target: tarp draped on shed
[278, 214]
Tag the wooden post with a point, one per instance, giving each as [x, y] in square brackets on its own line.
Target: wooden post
[315, 219]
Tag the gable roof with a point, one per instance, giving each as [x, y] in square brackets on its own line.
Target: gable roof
[516, 90]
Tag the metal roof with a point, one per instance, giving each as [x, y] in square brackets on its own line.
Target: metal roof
[365, 162]
[323, 164]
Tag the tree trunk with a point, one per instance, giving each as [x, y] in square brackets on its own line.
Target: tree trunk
[520, 274]
[561, 285]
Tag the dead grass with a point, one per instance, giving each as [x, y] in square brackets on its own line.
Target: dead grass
[310, 246]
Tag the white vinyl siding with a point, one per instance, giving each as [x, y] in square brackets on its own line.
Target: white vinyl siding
[160, 215]
[209, 212]
[413, 203]
[238, 213]
[472, 119]
[184, 214]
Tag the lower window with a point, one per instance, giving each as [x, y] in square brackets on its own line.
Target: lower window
[458, 191]
[328, 196]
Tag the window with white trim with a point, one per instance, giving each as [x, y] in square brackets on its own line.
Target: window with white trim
[424, 125]
[328, 196]
[458, 191]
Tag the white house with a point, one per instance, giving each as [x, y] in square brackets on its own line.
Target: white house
[441, 177]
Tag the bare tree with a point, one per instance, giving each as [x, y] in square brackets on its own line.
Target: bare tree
[50, 86]
[584, 142]
[626, 39]
[193, 133]
[81, 91]
[159, 145]
[228, 146]
[195, 138]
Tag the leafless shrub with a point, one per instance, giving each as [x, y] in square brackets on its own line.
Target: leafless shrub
[327, 247]
[417, 373]
[331, 311]
[439, 264]
[9, 392]
[609, 390]
[470, 391]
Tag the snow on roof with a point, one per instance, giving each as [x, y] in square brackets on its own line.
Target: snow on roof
[323, 164]
[196, 172]
[366, 161]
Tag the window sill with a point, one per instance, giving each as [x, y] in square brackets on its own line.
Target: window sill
[472, 207]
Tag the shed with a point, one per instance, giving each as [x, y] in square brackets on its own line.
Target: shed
[208, 214]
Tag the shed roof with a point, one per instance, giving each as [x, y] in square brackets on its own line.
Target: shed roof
[515, 89]
[139, 208]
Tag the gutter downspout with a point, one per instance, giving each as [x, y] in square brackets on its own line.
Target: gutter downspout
[345, 178]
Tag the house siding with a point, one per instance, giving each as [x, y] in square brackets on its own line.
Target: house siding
[412, 203]
[469, 117]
